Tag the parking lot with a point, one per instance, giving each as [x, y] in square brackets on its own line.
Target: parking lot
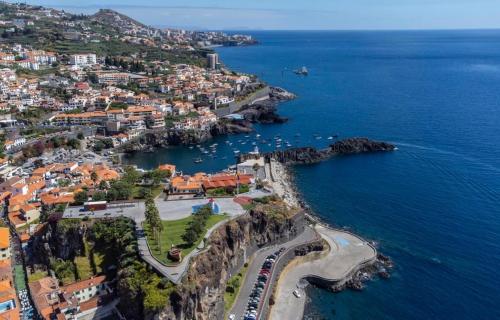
[169, 210]
[260, 287]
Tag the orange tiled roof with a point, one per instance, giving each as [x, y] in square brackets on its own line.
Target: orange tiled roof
[40, 292]
[19, 199]
[5, 195]
[7, 292]
[15, 219]
[4, 238]
[224, 181]
[52, 199]
[169, 167]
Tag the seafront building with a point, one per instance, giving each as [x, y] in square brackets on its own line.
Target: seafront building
[213, 61]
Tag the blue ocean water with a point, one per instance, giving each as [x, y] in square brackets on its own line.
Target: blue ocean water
[433, 205]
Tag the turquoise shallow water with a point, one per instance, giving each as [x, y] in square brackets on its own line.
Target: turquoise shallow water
[433, 204]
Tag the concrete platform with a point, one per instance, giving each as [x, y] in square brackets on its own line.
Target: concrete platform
[347, 253]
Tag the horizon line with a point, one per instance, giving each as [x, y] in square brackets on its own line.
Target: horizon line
[248, 29]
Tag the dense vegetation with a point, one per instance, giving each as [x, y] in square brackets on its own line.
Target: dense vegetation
[142, 292]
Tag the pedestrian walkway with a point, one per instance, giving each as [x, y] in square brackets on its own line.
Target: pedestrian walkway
[346, 254]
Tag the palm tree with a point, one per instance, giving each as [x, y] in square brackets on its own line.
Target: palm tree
[256, 168]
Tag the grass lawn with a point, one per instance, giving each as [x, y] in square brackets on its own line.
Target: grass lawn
[36, 276]
[100, 262]
[19, 277]
[234, 282]
[172, 234]
[83, 268]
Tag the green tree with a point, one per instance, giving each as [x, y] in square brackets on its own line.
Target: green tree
[131, 175]
[81, 197]
[94, 177]
[99, 196]
[158, 175]
[190, 236]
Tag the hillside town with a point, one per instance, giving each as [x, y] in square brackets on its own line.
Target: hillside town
[60, 109]
[85, 236]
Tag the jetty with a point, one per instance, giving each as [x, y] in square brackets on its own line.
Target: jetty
[346, 255]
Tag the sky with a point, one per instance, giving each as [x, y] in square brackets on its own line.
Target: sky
[298, 15]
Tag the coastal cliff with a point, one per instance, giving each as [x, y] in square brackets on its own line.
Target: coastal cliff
[200, 296]
[63, 240]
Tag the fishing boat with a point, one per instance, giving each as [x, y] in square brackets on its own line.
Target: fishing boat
[301, 72]
[198, 160]
[236, 151]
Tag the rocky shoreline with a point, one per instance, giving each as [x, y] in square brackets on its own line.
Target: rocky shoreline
[381, 265]
[306, 155]
[262, 111]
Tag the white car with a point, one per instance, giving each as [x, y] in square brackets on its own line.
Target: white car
[296, 294]
[231, 316]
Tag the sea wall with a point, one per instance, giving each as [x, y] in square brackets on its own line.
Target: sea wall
[316, 245]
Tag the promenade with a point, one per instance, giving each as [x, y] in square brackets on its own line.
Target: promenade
[347, 253]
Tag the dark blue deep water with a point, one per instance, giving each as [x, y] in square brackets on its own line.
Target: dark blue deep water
[433, 205]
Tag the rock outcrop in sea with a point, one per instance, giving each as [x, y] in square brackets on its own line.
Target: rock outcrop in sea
[304, 155]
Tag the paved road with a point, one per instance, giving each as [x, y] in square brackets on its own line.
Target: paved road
[347, 252]
[257, 260]
[169, 210]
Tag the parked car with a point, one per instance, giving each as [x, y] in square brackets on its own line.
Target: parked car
[296, 294]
